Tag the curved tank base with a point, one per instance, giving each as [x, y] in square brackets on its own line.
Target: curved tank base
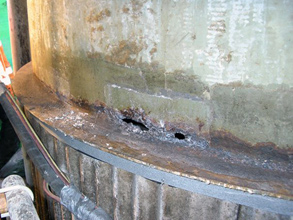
[133, 176]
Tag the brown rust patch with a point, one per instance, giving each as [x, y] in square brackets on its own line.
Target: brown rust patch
[184, 127]
[227, 140]
[141, 116]
[94, 55]
[224, 138]
[64, 30]
[228, 58]
[200, 124]
[93, 29]
[98, 16]
[153, 50]
[100, 28]
[124, 53]
[134, 113]
[265, 155]
[137, 5]
[125, 10]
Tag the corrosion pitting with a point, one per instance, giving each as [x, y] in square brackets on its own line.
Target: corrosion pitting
[222, 144]
[225, 160]
[147, 129]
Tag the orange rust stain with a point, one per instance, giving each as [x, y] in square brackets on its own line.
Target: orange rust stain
[122, 54]
[125, 10]
[94, 55]
[64, 30]
[223, 138]
[200, 124]
[96, 17]
[153, 50]
[93, 29]
[100, 28]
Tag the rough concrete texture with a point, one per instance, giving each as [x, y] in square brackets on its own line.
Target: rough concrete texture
[229, 61]
[255, 114]
[161, 108]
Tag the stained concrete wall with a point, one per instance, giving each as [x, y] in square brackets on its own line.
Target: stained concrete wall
[201, 66]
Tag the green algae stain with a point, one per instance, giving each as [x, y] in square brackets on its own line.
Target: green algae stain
[4, 30]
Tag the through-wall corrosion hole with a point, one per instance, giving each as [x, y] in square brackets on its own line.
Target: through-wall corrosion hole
[136, 123]
[179, 136]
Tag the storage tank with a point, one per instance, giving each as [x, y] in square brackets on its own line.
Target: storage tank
[166, 109]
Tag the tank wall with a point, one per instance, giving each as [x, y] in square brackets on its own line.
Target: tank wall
[201, 66]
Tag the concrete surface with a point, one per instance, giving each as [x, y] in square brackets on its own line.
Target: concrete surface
[221, 66]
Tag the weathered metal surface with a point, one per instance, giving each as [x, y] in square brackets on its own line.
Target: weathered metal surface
[215, 164]
[198, 95]
[226, 161]
[128, 196]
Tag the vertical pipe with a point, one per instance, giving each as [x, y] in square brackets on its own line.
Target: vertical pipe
[19, 33]
[27, 168]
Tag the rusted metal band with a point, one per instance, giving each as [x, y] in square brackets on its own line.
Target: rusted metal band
[267, 203]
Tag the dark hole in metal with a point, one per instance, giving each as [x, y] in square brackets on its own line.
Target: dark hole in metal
[136, 123]
[180, 136]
